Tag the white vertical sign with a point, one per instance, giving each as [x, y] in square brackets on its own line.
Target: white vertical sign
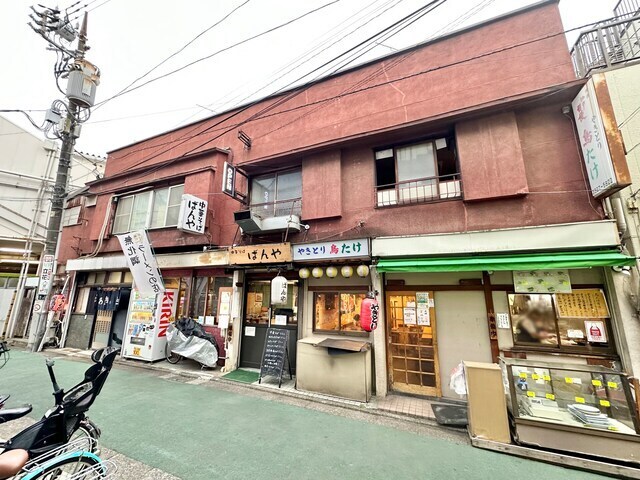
[193, 214]
[46, 274]
[593, 140]
[142, 263]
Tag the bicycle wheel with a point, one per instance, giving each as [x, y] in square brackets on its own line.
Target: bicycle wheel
[82, 465]
[172, 358]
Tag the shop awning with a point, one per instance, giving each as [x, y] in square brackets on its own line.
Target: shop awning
[524, 261]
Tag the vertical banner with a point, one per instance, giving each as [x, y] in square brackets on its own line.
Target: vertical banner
[142, 263]
[46, 274]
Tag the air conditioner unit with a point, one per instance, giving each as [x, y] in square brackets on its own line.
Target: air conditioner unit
[251, 224]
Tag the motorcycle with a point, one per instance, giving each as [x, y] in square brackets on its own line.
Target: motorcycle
[67, 418]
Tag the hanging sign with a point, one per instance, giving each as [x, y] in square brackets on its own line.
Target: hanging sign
[587, 303]
[599, 139]
[369, 311]
[46, 274]
[193, 214]
[329, 250]
[229, 179]
[258, 254]
[542, 281]
[279, 290]
[142, 263]
[596, 332]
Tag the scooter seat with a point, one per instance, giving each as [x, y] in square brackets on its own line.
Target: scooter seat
[8, 414]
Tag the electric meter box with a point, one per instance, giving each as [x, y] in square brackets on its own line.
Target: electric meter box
[82, 82]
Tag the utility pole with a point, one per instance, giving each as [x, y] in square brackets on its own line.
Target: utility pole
[64, 120]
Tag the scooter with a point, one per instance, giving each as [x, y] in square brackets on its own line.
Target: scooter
[66, 418]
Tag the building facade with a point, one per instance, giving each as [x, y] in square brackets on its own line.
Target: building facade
[434, 176]
[27, 171]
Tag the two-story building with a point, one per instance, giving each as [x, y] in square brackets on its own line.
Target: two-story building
[447, 177]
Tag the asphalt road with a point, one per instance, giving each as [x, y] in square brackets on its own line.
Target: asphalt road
[215, 431]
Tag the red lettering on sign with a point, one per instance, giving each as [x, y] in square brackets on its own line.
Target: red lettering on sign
[166, 313]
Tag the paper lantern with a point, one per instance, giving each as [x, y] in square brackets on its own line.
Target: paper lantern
[332, 272]
[362, 270]
[304, 273]
[279, 290]
[346, 271]
[317, 272]
[369, 310]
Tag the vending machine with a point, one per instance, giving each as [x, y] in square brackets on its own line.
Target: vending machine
[147, 321]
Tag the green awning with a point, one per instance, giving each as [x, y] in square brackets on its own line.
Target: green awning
[522, 261]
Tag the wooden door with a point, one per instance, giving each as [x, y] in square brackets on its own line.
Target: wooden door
[412, 348]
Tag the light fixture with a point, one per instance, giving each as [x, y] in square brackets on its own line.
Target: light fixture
[304, 273]
[317, 272]
[14, 250]
[625, 270]
[279, 290]
[362, 270]
[332, 272]
[346, 271]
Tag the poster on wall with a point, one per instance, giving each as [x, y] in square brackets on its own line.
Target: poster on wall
[596, 332]
[424, 319]
[409, 316]
[542, 281]
[587, 303]
[422, 298]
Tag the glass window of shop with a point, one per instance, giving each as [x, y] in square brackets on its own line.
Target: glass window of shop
[577, 321]
[337, 312]
[205, 295]
[182, 285]
[258, 306]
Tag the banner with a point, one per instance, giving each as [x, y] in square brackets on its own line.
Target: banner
[142, 263]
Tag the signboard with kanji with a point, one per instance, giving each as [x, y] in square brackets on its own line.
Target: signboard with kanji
[46, 274]
[587, 303]
[599, 140]
[142, 263]
[193, 214]
[329, 250]
[258, 254]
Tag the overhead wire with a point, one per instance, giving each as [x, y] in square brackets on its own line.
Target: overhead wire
[181, 49]
[201, 59]
[294, 93]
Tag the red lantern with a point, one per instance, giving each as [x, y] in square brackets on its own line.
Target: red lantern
[369, 310]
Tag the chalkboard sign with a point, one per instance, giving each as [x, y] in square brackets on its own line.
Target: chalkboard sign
[276, 351]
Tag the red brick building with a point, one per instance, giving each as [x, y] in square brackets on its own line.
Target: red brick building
[454, 147]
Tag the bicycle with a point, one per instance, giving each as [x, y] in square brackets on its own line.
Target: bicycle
[73, 461]
[5, 356]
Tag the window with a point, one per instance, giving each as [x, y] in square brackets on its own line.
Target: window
[277, 194]
[151, 209]
[258, 308]
[337, 312]
[421, 172]
[205, 294]
[71, 216]
[569, 321]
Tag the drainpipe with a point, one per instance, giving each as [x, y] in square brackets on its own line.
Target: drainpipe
[618, 213]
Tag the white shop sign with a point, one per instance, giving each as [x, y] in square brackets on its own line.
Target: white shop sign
[356, 248]
[193, 214]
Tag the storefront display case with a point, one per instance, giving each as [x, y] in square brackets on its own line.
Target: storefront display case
[578, 408]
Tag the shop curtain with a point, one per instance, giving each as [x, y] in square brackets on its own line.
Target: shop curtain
[531, 261]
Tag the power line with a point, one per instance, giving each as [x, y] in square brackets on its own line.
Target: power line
[181, 49]
[292, 94]
[265, 32]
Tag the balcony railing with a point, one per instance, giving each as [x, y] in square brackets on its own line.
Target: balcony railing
[610, 42]
[420, 190]
[281, 208]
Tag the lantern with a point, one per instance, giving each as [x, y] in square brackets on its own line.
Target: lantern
[332, 272]
[304, 273]
[317, 272]
[346, 271]
[279, 290]
[369, 310]
[362, 270]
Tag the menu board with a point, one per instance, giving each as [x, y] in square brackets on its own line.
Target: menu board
[587, 303]
[274, 354]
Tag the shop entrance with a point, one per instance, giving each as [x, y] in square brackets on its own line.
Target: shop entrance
[412, 346]
[260, 315]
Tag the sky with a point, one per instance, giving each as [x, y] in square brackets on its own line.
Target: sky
[129, 37]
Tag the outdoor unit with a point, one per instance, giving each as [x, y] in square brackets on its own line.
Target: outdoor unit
[252, 224]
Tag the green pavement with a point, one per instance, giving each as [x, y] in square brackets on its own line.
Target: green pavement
[200, 432]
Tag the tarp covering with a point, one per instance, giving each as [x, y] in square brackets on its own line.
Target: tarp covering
[523, 261]
[198, 349]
